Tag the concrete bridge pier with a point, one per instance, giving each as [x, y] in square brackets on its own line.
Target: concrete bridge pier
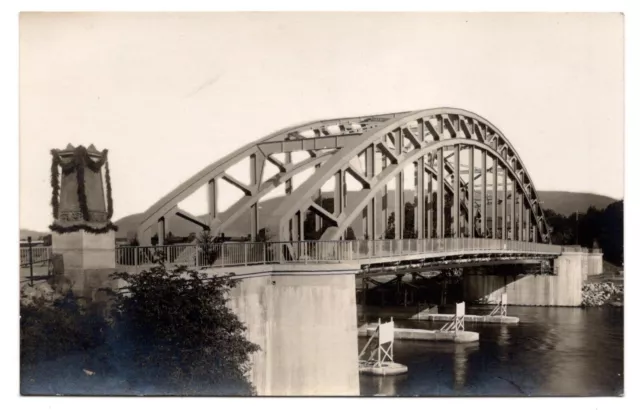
[563, 288]
[305, 324]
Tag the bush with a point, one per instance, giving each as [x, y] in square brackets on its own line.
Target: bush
[57, 339]
[166, 332]
[209, 247]
[176, 329]
[49, 330]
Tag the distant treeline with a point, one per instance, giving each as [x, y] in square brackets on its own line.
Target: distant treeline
[596, 228]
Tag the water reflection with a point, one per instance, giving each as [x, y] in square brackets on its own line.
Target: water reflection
[551, 352]
[503, 341]
[461, 352]
[386, 386]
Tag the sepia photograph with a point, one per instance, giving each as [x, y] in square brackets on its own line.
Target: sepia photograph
[297, 204]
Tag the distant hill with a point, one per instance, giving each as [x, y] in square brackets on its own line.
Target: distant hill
[566, 203]
[25, 233]
[559, 201]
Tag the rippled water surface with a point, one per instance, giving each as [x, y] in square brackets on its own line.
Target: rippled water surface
[551, 352]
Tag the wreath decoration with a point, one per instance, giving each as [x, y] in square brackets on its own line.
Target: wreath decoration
[88, 228]
[78, 162]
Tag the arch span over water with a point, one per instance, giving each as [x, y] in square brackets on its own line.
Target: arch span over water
[375, 151]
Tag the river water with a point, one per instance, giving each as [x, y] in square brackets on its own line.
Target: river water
[551, 352]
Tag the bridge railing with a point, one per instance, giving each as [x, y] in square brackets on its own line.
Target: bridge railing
[365, 251]
[39, 254]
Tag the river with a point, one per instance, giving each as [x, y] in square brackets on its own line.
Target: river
[551, 352]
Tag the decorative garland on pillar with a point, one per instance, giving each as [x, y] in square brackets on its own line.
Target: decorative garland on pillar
[78, 162]
[107, 178]
[88, 228]
[55, 183]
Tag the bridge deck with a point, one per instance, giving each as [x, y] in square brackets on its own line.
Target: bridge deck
[369, 256]
[361, 253]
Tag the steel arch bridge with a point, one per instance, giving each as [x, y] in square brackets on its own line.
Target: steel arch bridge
[488, 192]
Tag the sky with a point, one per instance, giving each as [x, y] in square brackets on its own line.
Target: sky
[169, 94]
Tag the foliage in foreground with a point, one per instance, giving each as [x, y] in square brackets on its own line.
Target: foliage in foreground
[49, 330]
[176, 327]
[166, 332]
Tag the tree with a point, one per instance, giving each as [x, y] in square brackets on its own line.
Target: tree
[175, 331]
[349, 234]
[207, 245]
[264, 235]
[390, 232]
[603, 227]
[612, 236]
[409, 231]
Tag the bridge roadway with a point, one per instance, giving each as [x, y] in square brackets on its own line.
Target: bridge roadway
[362, 257]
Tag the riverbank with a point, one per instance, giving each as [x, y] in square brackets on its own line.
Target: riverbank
[603, 293]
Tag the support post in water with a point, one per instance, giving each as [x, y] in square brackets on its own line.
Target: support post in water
[380, 361]
[458, 320]
[501, 309]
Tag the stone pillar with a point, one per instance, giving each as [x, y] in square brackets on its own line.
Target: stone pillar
[82, 231]
[88, 259]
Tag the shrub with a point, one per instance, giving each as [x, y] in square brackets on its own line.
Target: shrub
[57, 341]
[49, 330]
[166, 332]
[176, 329]
[209, 247]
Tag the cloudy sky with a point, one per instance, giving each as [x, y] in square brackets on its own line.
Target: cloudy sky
[168, 94]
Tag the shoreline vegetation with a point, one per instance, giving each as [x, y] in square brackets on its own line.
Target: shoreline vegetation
[603, 293]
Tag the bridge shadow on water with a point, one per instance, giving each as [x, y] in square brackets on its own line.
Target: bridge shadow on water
[551, 352]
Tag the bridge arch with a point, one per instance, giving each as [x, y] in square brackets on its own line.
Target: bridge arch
[436, 129]
[258, 152]
[334, 145]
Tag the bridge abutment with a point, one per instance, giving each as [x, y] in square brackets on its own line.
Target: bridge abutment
[594, 264]
[564, 288]
[305, 325]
